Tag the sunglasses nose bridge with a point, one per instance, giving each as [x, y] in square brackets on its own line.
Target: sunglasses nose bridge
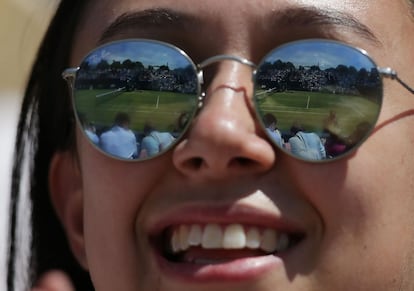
[219, 58]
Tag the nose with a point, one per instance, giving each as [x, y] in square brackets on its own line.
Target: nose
[225, 138]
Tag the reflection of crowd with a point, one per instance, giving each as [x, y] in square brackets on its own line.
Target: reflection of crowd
[302, 144]
[134, 76]
[283, 76]
[270, 123]
[120, 141]
[310, 145]
[306, 145]
[154, 141]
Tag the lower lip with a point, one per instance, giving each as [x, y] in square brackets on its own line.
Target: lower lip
[237, 270]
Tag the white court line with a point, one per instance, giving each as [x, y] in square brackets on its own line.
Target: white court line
[110, 92]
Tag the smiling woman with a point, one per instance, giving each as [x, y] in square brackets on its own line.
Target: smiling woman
[209, 199]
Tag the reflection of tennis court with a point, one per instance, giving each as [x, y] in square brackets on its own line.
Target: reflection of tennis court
[311, 109]
[161, 108]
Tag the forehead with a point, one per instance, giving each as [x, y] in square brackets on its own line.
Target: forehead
[234, 21]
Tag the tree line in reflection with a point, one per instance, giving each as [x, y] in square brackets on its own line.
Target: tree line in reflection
[282, 76]
[133, 75]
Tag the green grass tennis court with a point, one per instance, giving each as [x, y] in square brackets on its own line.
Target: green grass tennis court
[162, 109]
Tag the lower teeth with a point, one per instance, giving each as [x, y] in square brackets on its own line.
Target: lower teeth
[197, 255]
[204, 261]
[204, 257]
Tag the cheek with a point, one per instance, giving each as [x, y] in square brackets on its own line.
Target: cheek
[378, 187]
[366, 203]
[376, 184]
[115, 185]
[367, 206]
[114, 192]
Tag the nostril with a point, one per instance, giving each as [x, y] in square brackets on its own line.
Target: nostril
[218, 163]
[242, 162]
[194, 163]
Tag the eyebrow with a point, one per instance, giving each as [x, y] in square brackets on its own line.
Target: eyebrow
[296, 16]
[146, 19]
[313, 16]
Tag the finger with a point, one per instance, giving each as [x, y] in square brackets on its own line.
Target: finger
[54, 281]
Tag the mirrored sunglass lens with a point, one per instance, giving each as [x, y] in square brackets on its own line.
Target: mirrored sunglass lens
[318, 99]
[134, 99]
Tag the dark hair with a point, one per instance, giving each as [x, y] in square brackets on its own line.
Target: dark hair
[122, 118]
[148, 128]
[296, 127]
[269, 119]
[45, 126]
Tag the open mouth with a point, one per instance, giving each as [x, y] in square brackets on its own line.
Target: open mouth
[213, 244]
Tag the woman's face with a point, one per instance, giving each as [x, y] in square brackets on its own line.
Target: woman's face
[345, 225]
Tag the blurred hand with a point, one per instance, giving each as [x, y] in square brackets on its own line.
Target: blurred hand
[54, 281]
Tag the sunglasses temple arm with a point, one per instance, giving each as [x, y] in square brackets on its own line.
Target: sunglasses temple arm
[404, 85]
[390, 73]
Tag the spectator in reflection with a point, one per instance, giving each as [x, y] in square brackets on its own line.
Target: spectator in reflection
[356, 136]
[119, 140]
[154, 141]
[334, 145]
[89, 129]
[306, 145]
[270, 122]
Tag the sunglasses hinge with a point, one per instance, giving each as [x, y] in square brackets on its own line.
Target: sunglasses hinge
[388, 72]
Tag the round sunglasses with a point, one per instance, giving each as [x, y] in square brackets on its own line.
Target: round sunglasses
[317, 100]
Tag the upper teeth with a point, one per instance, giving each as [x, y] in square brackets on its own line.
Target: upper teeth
[232, 236]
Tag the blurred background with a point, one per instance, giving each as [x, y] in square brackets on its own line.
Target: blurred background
[22, 25]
